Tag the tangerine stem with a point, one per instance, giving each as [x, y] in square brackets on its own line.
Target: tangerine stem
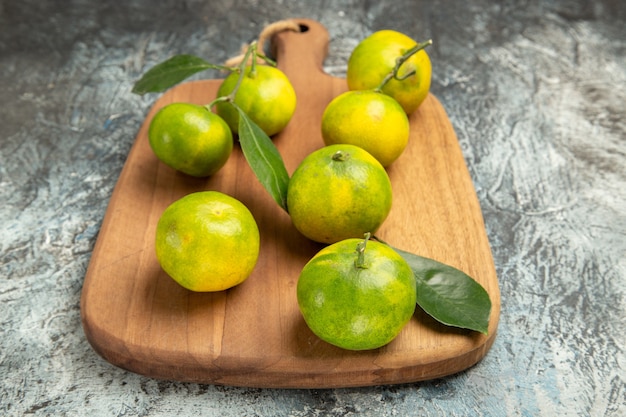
[217, 100]
[241, 68]
[252, 47]
[401, 60]
[242, 71]
[360, 250]
[267, 59]
[340, 156]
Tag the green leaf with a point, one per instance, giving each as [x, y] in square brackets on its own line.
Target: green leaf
[170, 72]
[264, 158]
[449, 295]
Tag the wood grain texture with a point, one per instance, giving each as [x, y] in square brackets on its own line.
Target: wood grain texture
[138, 318]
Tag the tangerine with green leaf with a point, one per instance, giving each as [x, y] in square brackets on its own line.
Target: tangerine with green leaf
[375, 57]
[357, 294]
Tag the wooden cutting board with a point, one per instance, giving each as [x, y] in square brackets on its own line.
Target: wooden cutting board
[138, 318]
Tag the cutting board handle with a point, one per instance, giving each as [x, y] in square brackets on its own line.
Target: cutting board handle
[304, 51]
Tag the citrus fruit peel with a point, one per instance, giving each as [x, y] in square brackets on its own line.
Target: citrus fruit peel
[394, 63]
[337, 192]
[207, 241]
[369, 119]
[356, 299]
[190, 139]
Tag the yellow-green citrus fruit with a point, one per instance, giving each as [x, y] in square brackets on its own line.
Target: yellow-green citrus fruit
[356, 307]
[370, 120]
[265, 95]
[338, 192]
[207, 241]
[190, 139]
[375, 57]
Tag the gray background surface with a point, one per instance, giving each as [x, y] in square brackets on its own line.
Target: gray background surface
[536, 92]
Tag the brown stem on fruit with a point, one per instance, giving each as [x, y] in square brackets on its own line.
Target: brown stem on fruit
[393, 74]
[360, 250]
[340, 156]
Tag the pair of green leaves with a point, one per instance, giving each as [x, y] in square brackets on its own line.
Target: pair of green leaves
[447, 294]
